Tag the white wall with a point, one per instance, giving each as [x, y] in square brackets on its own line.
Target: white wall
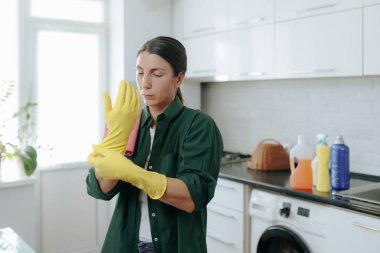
[144, 20]
[247, 112]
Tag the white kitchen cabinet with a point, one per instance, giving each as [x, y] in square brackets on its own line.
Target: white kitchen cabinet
[204, 17]
[207, 56]
[370, 2]
[19, 209]
[321, 46]
[371, 40]
[293, 9]
[244, 13]
[350, 231]
[251, 53]
[227, 218]
[225, 231]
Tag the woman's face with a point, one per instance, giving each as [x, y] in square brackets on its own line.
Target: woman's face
[155, 80]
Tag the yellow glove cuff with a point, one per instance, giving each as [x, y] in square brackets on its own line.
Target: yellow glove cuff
[157, 185]
[153, 183]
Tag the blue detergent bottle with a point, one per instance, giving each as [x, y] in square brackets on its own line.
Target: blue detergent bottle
[340, 165]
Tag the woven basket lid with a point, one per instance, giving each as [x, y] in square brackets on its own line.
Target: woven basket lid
[269, 155]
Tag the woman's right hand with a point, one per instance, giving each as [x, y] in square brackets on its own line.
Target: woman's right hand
[121, 118]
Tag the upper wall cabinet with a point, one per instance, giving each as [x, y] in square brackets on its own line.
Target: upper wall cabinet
[293, 9]
[251, 53]
[326, 45]
[207, 56]
[371, 40]
[243, 13]
[204, 17]
[369, 2]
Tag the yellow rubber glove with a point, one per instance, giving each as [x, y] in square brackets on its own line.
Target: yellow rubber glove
[121, 118]
[110, 164]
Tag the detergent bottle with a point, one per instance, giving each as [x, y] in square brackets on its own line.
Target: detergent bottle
[340, 165]
[323, 160]
[300, 157]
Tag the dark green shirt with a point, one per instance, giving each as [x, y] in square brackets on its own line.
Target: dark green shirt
[187, 145]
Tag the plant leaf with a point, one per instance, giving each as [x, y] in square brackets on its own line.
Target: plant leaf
[29, 159]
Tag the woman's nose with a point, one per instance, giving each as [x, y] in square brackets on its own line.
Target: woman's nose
[146, 81]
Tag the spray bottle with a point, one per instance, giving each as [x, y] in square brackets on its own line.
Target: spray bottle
[323, 161]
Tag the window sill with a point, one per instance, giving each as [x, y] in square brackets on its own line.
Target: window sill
[18, 182]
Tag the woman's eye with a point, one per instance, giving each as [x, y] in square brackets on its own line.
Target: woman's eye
[140, 73]
[157, 75]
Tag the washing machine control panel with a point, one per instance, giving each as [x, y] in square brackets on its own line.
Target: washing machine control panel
[303, 211]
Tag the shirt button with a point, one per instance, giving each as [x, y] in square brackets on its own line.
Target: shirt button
[150, 167]
[155, 239]
[153, 214]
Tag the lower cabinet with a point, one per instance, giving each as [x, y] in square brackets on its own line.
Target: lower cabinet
[18, 209]
[350, 231]
[227, 222]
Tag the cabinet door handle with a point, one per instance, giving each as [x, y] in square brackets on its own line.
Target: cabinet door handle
[357, 224]
[250, 21]
[215, 237]
[252, 74]
[313, 71]
[199, 71]
[316, 8]
[222, 214]
[203, 29]
[226, 187]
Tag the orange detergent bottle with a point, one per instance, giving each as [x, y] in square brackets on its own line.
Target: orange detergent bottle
[301, 157]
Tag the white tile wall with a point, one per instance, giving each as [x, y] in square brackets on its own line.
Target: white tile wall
[247, 112]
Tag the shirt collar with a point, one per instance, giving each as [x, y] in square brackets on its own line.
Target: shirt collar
[170, 112]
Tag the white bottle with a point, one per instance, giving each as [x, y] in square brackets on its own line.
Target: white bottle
[314, 167]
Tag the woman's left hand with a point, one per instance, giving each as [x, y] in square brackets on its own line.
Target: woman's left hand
[110, 164]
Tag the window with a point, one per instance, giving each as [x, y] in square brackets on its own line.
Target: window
[68, 88]
[63, 69]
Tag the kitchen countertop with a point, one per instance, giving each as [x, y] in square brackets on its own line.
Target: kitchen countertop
[278, 181]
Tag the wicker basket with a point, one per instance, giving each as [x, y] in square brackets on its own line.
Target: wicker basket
[269, 156]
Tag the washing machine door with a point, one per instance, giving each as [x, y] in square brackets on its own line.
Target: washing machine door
[278, 239]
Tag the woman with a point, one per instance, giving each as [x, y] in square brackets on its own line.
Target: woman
[165, 186]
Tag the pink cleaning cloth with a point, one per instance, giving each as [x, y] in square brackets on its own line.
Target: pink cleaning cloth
[130, 148]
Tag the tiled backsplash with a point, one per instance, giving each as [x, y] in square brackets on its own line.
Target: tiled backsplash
[248, 112]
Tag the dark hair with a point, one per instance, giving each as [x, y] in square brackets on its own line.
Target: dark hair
[172, 51]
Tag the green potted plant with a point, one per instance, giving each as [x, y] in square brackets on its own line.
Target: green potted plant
[24, 149]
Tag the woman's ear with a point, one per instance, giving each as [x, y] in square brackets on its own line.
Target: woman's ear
[179, 79]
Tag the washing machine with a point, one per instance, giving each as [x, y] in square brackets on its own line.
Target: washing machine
[285, 224]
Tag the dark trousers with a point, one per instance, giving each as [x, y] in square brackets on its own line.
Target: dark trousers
[145, 247]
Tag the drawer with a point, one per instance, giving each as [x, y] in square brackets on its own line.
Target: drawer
[229, 194]
[217, 245]
[225, 229]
